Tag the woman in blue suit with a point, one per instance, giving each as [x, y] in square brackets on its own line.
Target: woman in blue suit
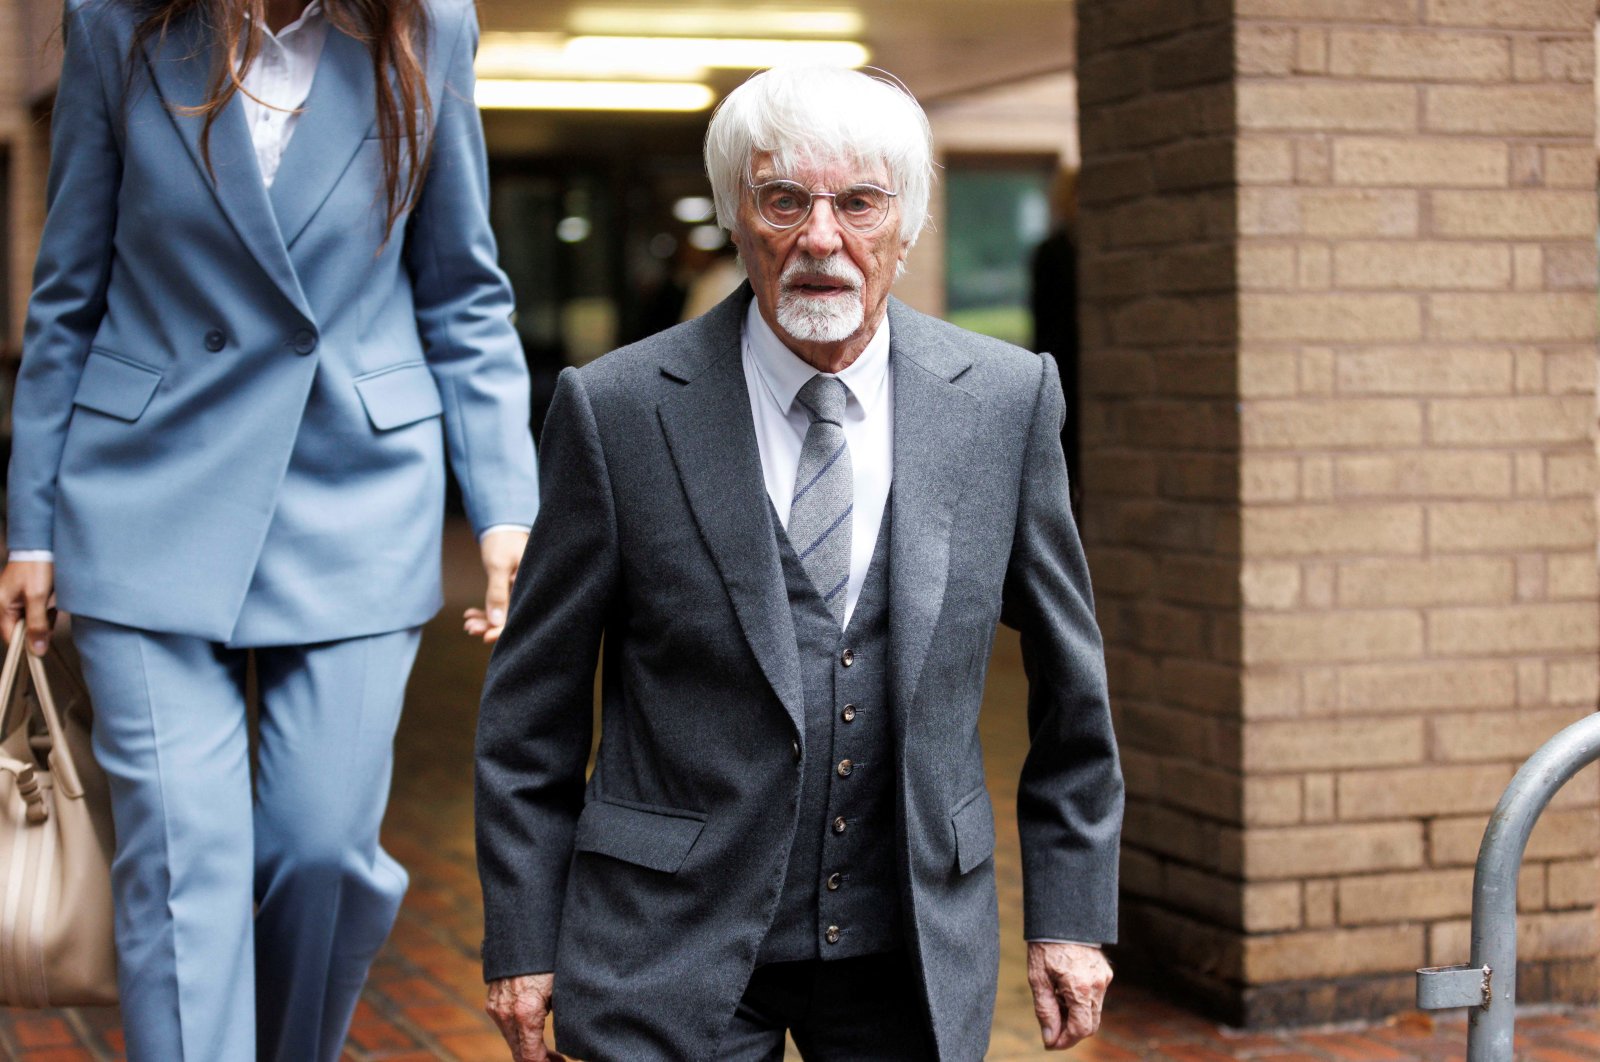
[266, 305]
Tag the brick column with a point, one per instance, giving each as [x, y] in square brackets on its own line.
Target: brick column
[1340, 302]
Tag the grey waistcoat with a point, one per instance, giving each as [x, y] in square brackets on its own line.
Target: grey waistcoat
[846, 831]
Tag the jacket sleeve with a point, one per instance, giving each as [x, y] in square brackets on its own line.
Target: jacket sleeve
[536, 719]
[69, 284]
[464, 305]
[1069, 800]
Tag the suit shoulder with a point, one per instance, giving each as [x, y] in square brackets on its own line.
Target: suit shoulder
[993, 360]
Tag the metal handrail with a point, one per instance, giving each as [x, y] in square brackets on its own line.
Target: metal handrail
[1488, 984]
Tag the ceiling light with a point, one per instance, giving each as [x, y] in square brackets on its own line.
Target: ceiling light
[513, 55]
[498, 94]
[713, 21]
[573, 229]
[731, 53]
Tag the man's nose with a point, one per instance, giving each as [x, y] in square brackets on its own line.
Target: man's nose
[820, 235]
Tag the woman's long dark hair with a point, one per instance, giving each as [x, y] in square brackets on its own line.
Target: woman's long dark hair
[396, 35]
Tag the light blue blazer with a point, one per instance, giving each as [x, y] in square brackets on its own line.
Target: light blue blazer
[234, 404]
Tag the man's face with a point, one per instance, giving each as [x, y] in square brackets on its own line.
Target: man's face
[821, 285]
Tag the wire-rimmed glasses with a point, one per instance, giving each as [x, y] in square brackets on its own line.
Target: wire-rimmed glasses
[785, 204]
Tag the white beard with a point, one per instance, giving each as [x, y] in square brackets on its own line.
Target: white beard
[829, 319]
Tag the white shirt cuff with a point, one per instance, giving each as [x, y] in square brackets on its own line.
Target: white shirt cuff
[524, 528]
[48, 556]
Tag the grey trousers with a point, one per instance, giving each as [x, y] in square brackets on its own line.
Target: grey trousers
[864, 1009]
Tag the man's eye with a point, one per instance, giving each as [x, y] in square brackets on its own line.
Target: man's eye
[857, 204]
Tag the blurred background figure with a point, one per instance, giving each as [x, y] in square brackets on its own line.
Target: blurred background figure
[1054, 300]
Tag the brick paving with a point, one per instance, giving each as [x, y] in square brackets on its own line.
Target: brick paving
[425, 994]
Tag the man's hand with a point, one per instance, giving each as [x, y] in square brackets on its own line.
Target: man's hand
[25, 594]
[1069, 984]
[520, 1005]
[502, 553]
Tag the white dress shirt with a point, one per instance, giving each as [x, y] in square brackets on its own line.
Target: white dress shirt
[774, 375]
[281, 76]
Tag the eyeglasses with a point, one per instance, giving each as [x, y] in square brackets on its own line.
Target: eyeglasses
[785, 204]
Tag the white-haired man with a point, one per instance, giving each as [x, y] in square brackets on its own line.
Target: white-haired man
[795, 522]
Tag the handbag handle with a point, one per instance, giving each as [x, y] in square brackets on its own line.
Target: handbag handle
[63, 770]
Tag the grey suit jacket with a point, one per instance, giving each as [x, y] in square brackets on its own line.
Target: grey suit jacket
[649, 889]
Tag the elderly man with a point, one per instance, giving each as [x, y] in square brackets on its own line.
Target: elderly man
[795, 522]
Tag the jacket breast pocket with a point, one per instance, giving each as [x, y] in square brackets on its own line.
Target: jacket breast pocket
[657, 839]
[112, 385]
[973, 821]
[399, 395]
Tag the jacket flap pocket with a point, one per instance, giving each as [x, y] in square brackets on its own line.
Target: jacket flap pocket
[973, 819]
[115, 387]
[659, 840]
[400, 395]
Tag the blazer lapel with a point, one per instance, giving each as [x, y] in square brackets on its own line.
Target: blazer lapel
[712, 440]
[180, 64]
[933, 421]
[338, 115]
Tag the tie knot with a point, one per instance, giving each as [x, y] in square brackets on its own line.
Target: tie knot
[824, 398]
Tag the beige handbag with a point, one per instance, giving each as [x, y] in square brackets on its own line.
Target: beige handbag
[56, 947]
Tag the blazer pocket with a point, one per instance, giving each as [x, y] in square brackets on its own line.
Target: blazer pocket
[973, 819]
[657, 839]
[399, 395]
[115, 386]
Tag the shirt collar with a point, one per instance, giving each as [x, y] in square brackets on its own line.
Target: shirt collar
[311, 14]
[784, 372]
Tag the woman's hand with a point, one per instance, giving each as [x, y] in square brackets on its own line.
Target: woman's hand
[502, 553]
[27, 593]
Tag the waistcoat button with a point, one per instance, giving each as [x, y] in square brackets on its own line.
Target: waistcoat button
[794, 746]
[833, 882]
[849, 713]
[839, 824]
[845, 767]
[847, 657]
[833, 934]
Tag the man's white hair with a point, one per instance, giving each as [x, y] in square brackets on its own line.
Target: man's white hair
[821, 114]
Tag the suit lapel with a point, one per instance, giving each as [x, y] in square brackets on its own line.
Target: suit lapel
[933, 421]
[180, 64]
[338, 115]
[712, 440]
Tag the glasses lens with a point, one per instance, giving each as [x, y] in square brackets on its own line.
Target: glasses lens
[862, 207]
[782, 203]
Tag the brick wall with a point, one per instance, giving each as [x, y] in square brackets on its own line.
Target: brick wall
[1321, 709]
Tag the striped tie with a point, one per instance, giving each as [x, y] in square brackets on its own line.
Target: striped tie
[819, 516]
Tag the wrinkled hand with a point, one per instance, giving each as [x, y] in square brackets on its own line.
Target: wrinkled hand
[27, 594]
[502, 553]
[520, 1005]
[1069, 984]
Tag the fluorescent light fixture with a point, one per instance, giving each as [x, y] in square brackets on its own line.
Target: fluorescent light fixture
[533, 55]
[729, 53]
[500, 94]
[693, 208]
[691, 21]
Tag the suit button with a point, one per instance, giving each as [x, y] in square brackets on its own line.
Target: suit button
[794, 746]
[833, 934]
[305, 341]
[847, 657]
[215, 340]
[834, 880]
[839, 824]
[849, 713]
[845, 767]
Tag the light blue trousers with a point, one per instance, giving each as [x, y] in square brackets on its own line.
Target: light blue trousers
[246, 921]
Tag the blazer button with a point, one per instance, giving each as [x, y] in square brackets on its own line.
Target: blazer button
[833, 934]
[845, 767]
[847, 657]
[839, 824]
[215, 340]
[794, 746]
[834, 880]
[849, 713]
[305, 341]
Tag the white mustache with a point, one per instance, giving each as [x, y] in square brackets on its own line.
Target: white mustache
[834, 267]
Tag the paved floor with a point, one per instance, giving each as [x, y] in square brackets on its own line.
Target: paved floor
[424, 998]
